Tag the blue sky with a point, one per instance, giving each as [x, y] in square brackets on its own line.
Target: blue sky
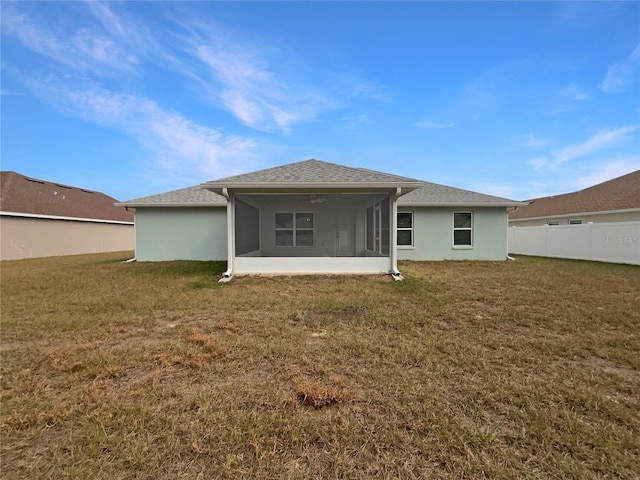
[135, 98]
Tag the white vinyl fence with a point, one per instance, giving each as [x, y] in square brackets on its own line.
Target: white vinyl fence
[605, 242]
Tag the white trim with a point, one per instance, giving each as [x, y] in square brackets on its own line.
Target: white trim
[574, 214]
[72, 219]
[311, 265]
[470, 229]
[170, 204]
[288, 186]
[405, 204]
[412, 230]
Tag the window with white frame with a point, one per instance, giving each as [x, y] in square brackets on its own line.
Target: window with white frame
[404, 229]
[462, 229]
[294, 229]
[575, 222]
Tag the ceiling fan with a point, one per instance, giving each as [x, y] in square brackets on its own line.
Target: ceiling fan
[313, 199]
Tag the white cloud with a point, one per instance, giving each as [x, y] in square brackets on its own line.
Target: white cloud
[250, 87]
[179, 145]
[601, 140]
[604, 139]
[624, 74]
[428, 124]
[610, 169]
[83, 49]
[533, 142]
[538, 163]
[573, 92]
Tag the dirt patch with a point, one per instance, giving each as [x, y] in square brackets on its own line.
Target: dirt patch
[607, 366]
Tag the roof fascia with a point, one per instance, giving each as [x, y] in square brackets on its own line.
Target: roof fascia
[169, 204]
[56, 217]
[460, 204]
[566, 215]
[315, 186]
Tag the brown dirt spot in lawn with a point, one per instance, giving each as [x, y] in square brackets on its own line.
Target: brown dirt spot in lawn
[608, 366]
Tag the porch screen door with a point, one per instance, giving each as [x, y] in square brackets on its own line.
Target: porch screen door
[345, 235]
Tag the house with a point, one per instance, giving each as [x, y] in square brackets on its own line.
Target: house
[40, 219]
[320, 217]
[616, 200]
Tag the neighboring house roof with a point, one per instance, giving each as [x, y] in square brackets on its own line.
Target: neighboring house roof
[318, 174]
[25, 196]
[621, 193]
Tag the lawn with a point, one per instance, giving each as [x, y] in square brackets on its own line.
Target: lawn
[527, 369]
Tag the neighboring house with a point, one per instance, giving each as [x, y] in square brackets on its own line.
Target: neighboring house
[319, 217]
[617, 200]
[42, 219]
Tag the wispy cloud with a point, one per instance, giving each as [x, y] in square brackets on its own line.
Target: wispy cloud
[608, 170]
[602, 140]
[179, 145]
[534, 142]
[624, 74]
[253, 82]
[429, 124]
[573, 92]
[82, 49]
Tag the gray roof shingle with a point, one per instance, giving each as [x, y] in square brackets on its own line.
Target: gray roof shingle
[435, 194]
[316, 174]
[311, 171]
[191, 196]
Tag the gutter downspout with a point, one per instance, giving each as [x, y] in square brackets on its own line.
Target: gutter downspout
[395, 273]
[228, 275]
[135, 239]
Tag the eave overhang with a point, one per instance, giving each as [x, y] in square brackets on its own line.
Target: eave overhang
[306, 187]
[169, 204]
[460, 204]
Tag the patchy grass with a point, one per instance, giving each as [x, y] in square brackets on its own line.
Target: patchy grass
[526, 369]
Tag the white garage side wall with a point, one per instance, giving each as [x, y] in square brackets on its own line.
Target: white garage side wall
[24, 237]
[604, 242]
[433, 234]
[181, 234]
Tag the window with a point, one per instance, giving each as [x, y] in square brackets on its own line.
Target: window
[405, 229]
[554, 222]
[575, 222]
[462, 229]
[294, 229]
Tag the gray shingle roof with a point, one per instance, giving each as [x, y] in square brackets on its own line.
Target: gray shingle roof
[196, 196]
[435, 194]
[317, 174]
[311, 171]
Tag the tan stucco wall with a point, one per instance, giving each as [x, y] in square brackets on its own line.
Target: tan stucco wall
[38, 237]
[586, 218]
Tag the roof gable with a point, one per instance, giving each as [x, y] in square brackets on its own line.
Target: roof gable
[21, 194]
[310, 172]
[620, 193]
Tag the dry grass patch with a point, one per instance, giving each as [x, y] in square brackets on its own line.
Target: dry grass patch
[526, 369]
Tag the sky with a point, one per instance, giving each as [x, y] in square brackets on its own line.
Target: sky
[514, 99]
